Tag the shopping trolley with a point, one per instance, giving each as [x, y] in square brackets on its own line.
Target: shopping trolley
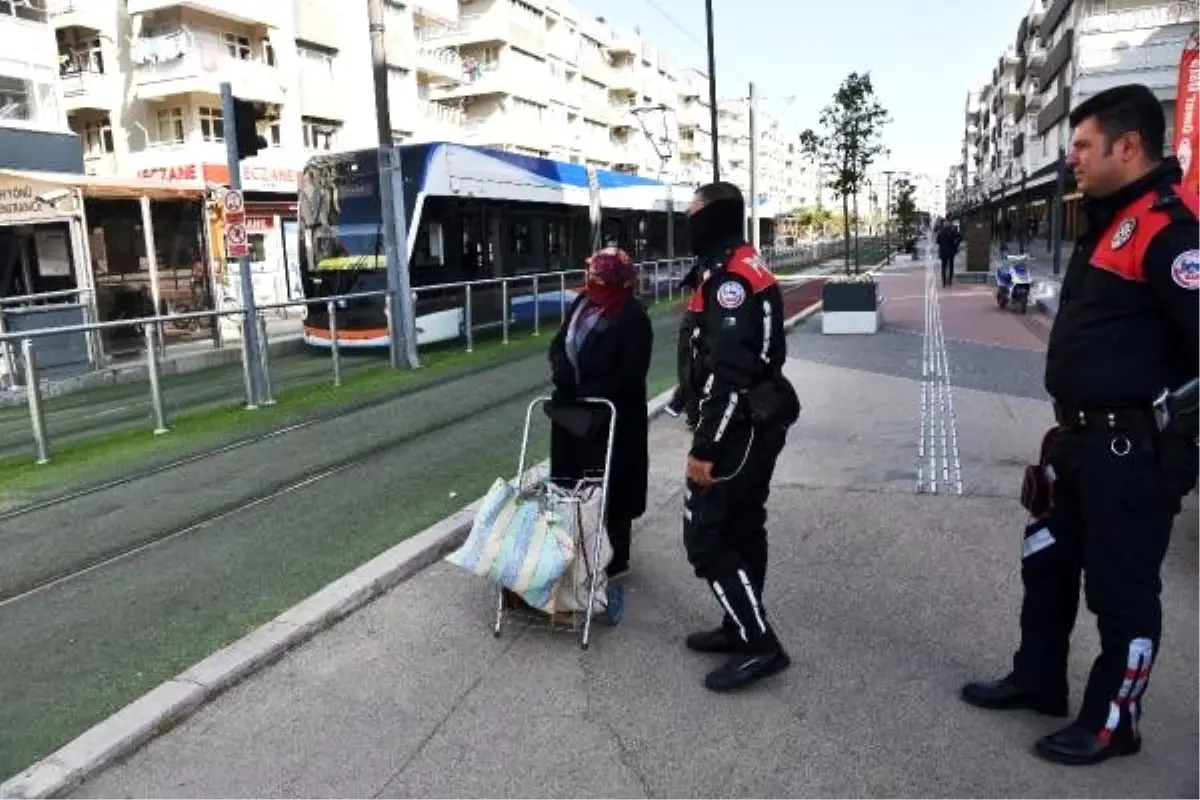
[583, 504]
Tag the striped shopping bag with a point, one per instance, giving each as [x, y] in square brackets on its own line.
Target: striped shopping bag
[520, 543]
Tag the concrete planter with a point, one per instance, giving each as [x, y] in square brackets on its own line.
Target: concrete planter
[849, 308]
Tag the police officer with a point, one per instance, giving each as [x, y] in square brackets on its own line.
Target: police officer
[1126, 329]
[746, 406]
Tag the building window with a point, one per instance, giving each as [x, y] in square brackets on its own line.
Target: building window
[274, 135]
[97, 139]
[32, 10]
[169, 126]
[212, 124]
[28, 100]
[237, 46]
[268, 52]
[319, 134]
[315, 61]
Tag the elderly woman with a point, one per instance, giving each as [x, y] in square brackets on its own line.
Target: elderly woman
[603, 350]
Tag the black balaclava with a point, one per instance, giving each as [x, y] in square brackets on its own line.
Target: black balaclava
[717, 225]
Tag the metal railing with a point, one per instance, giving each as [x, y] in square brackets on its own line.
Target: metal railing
[658, 280]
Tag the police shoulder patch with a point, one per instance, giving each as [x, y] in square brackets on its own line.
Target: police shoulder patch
[730, 295]
[1124, 233]
[1185, 269]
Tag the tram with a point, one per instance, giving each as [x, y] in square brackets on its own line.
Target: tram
[470, 214]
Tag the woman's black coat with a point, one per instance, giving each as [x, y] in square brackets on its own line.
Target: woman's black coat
[613, 363]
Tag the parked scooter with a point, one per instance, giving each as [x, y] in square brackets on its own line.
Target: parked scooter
[1013, 283]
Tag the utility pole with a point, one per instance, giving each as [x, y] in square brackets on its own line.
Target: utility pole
[887, 218]
[254, 348]
[1056, 212]
[402, 348]
[712, 90]
[754, 233]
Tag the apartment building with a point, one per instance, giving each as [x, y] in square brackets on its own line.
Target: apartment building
[1065, 51]
[33, 123]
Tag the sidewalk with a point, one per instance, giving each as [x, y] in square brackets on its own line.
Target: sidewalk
[888, 600]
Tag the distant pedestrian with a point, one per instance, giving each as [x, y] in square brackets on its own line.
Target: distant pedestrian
[948, 240]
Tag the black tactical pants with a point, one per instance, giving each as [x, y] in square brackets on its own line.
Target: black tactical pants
[1114, 503]
[725, 526]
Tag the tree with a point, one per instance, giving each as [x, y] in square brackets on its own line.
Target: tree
[849, 142]
[904, 207]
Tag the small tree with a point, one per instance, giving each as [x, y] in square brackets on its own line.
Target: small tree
[904, 208]
[849, 142]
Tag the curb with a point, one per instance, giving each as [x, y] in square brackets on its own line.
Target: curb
[174, 700]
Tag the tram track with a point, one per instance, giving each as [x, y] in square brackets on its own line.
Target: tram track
[272, 492]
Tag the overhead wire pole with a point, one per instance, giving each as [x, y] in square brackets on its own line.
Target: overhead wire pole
[754, 233]
[712, 90]
[887, 218]
[402, 348]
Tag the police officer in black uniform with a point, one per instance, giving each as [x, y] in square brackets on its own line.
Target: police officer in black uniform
[746, 407]
[1127, 329]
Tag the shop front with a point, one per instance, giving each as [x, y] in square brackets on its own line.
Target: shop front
[43, 281]
[271, 214]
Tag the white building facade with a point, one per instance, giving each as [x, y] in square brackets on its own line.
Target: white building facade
[1066, 51]
[140, 85]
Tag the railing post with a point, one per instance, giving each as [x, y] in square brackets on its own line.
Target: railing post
[334, 353]
[33, 392]
[156, 398]
[268, 399]
[468, 323]
[537, 308]
[655, 281]
[504, 308]
[562, 296]
[247, 374]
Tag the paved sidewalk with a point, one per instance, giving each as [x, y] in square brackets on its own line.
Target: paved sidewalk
[888, 600]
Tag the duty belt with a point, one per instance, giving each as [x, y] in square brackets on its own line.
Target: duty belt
[1117, 420]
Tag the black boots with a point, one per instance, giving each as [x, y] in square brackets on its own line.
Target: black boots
[1076, 744]
[746, 635]
[1004, 695]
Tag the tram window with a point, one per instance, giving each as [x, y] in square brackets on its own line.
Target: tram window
[520, 239]
[431, 246]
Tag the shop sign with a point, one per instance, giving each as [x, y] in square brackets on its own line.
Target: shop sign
[24, 200]
[177, 173]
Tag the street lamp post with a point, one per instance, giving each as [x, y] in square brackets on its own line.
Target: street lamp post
[712, 90]
[887, 218]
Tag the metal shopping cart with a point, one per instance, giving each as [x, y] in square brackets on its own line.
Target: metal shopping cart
[580, 505]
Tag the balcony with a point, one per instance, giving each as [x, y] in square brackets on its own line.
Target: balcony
[1054, 16]
[1182, 12]
[1035, 56]
[493, 26]
[439, 122]
[1057, 59]
[1054, 111]
[87, 14]
[82, 89]
[622, 46]
[494, 78]
[440, 64]
[248, 12]
[624, 80]
[185, 61]
[500, 130]
[435, 10]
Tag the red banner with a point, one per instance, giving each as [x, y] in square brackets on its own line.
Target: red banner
[1187, 114]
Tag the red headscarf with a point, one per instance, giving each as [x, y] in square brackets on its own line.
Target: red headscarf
[610, 281]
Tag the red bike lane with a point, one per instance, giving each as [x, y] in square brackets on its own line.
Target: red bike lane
[969, 312]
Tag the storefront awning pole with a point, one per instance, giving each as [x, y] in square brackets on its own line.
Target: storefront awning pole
[151, 261]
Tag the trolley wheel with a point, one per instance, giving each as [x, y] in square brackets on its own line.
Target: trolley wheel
[496, 634]
[584, 645]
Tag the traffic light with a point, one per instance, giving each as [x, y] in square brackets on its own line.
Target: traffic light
[245, 120]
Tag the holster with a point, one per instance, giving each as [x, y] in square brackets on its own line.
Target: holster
[1037, 486]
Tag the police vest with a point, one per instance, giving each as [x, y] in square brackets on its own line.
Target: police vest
[1122, 248]
[745, 263]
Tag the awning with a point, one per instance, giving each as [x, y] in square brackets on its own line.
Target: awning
[107, 188]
